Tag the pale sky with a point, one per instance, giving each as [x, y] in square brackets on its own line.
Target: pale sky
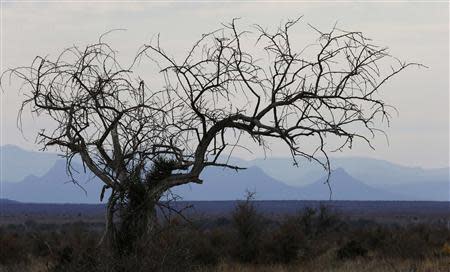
[416, 32]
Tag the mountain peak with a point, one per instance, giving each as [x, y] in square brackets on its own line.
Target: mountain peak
[339, 171]
[11, 148]
[340, 174]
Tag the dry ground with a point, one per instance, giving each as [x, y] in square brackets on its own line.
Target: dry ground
[436, 265]
[320, 265]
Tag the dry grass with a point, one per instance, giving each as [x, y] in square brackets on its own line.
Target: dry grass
[35, 265]
[377, 265]
[311, 241]
[321, 264]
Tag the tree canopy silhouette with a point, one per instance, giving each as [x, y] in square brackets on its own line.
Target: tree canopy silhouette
[142, 141]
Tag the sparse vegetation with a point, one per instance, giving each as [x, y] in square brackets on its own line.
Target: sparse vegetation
[312, 240]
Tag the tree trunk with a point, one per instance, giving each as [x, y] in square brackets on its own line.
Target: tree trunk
[131, 219]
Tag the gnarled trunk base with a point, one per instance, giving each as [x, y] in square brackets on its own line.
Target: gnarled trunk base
[131, 219]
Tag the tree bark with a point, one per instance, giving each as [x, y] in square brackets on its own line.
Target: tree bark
[131, 219]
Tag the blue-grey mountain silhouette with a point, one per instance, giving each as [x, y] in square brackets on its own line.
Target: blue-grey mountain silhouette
[46, 180]
[55, 186]
[345, 187]
[17, 163]
[227, 184]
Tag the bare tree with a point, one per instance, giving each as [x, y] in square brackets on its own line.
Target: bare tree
[141, 141]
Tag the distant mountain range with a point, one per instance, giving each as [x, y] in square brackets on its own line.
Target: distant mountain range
[29, 176]
[14, 159]
[221, 184]
[55, 186]
[373, 172]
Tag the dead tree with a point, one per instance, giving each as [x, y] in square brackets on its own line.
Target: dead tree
[142, 141]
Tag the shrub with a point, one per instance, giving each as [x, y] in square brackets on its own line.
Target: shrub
[12, 249]
[247, 223]
[285, 243]
[247, 236]
[351, 250]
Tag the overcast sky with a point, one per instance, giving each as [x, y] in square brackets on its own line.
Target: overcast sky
[417, 32]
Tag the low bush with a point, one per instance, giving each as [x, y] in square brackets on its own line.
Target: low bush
[246, 236]
[248, 227]
[351, 250]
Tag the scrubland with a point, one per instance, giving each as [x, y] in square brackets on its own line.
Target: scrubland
[246, 241]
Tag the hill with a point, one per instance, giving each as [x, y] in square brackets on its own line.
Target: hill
[40, 177]
[219, 184]
[345, 187]
[55, 186]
